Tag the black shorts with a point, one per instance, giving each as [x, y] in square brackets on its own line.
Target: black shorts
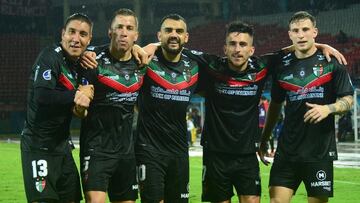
[163, 178]
[317, 176]
[48, 176]
[117, 176]
[223, 171]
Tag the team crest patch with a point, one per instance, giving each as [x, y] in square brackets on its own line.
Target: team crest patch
[47, 74]
[40, 184]
[251, 76]
[318, 70]
[187, 75]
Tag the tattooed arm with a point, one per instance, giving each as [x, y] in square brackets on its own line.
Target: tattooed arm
[317, 113]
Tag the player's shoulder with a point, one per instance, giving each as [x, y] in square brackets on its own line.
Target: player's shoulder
[51, 54]
[52, 51]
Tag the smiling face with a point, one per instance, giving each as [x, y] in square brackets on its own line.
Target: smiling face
[173, 36]
[238, 49]
[302, 34]
[123, 33]
[75, 38]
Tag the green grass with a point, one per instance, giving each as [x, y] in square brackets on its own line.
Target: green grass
[346, 187]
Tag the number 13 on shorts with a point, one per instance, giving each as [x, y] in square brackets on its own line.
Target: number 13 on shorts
[39, 168]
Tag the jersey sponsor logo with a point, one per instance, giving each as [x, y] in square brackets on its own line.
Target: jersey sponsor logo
[306, 93]
[318, 70]
[40, 184]
[196, 52]
[91, 48]
[162, 73]
[186, 63]
[250, 90]
[47, 74]
[106, 61]
[57, 49]
[332, 154]
[286, 60]
[135, 187]
[289, 77]
[321, 57]
[121, 97]
[170, 94]
[321, 175]
[155, 58]
[184, 195]
[114, 77]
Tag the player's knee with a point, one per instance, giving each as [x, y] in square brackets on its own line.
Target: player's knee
[249, 199]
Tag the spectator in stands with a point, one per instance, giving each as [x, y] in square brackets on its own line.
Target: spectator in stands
[314, 90]
[49, 170]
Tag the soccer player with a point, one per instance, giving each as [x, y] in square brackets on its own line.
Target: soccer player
[314, 90]
[49, 171]
[161, 147]
[233, 88]
[106, 141]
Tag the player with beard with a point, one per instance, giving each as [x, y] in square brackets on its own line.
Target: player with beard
[49, 170]
[315, 90]
[107, 141]
[161, 146]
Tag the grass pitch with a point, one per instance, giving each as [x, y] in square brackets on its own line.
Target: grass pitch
[346, 184]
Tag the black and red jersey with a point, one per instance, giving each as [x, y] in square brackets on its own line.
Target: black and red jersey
[231, 103]
[47, 124]
[312, 80]
[107, 129]
[163, 103]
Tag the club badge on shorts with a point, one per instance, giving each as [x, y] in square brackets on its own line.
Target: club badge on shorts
[40, 184]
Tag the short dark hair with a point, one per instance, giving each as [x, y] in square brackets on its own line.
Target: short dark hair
[302, 15]
[239, 26]
[124, 12]
[172, 16]
[81, 17]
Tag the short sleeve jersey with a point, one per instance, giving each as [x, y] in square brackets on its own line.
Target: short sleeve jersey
[47, 125]
[163, 103]
[107, 129]
[231, 103]
[312, 80]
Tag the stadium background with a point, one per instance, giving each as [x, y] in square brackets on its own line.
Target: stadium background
[27, 26]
